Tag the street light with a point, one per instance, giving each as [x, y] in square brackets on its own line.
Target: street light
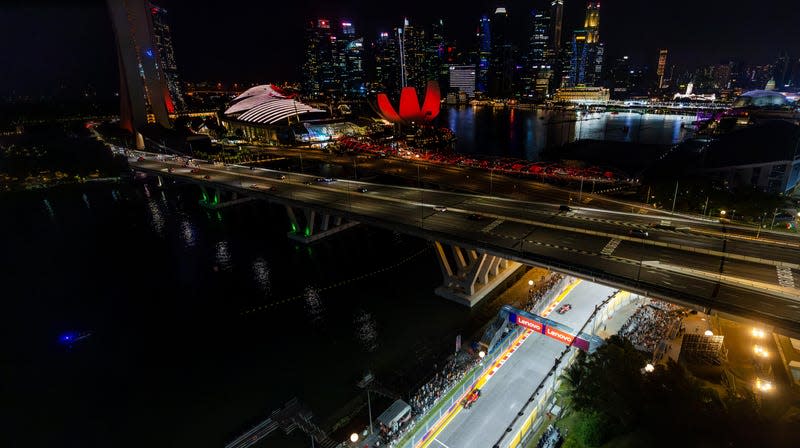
[709, 333]
[763, 385]
[354, 437]
[649, 368]
[722, 212]
[481, 355]
[758, 333]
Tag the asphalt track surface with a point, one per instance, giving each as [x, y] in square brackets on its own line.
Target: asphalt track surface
[503, 396]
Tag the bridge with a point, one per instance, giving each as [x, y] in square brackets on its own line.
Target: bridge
[479, 240]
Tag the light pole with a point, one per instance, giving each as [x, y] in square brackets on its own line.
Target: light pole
[580, 193]
[421, 200]
[491, 175]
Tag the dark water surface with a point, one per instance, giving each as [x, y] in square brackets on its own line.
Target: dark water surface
[162, 284]
[525, 133]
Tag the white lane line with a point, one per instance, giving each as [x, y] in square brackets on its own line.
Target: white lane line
[440, 443]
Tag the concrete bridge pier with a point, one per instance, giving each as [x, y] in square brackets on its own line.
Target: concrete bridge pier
[216, 199]
[469, 274]
[308, 225]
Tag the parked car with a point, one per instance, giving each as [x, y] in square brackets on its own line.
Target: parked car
[639, 233]
[440, 208]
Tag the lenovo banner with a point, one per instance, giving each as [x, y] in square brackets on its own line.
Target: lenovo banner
[559, 335]
[529, 323]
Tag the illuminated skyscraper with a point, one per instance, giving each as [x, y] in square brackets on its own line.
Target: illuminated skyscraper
[592, 23]
[320, 69]
[166, 53]
[386, 55]
[661, 68]
[540, 55]
[143, 66]
[484, 36]
[586, 63]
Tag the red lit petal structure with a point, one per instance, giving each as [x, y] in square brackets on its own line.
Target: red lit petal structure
[433, 101]
[409, 105]
[386, 109]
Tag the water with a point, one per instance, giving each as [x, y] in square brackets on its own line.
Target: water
[162, 285]
[525, 133]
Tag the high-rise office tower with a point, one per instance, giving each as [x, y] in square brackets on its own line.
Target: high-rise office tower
[321, 54]
[166, 54]
[586, 63]
[386, 55]
[579, 62]
[413, 60]
[462, 79]
[557, 19]
[351, 65]
[501, 65]
[592, 22]
[484, 36]
[661, 68]
[540, 55]
[146, 57]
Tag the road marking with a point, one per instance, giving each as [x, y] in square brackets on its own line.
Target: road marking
[609, 249]
[491, 226]
[440, 443]
[785, 276]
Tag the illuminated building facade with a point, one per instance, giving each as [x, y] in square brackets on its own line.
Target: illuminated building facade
[166, 53]
[386, 54]
[144, 86]
[661, 68]
[540, 56]
[334, 58]
[557, 20]
[586, 62]
[484, 35]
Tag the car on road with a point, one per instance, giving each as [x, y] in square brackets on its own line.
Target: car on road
[206, 177]
[440, 208]
[140, 159]
[324, 180]
[564, 308]
[170, 169]
[308, 182]
[194, 171]
[272, 188]
[255, 187]
[471, 398]
[363, 190]
[639, 233]
[282, 176]
[475, 217]
[564, 208]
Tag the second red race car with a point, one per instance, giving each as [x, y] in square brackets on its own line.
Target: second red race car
[471, 398]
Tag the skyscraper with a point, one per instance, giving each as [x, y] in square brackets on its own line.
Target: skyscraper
[144, 87]
[661, 68]
[501, 65]
[166, 54]
[540, 55]
[484, 36]
[557, 19]
[387, 64]
[586, 64]
[592, 23]
[320, 71]
[413, 60]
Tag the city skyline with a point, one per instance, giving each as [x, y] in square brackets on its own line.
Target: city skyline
[69, 59]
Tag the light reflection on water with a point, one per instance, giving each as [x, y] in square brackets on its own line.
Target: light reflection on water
[314, 305]
[525, 133]
[188, 233]
[223, 256]
[366, 330]
[261, 274]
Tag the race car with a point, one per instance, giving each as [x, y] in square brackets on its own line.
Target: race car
[471, 398]
[564, 308]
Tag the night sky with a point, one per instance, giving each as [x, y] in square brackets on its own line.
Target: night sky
[63, 46]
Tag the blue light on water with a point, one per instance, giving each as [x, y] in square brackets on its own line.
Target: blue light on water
[149, 52]
[67, 338]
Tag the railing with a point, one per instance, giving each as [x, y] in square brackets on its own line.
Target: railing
[452, 398]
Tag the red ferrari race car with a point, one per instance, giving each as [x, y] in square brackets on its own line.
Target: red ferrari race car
[471, 398]
[564, 308]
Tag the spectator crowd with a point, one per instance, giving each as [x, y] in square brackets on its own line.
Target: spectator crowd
[649, 324]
